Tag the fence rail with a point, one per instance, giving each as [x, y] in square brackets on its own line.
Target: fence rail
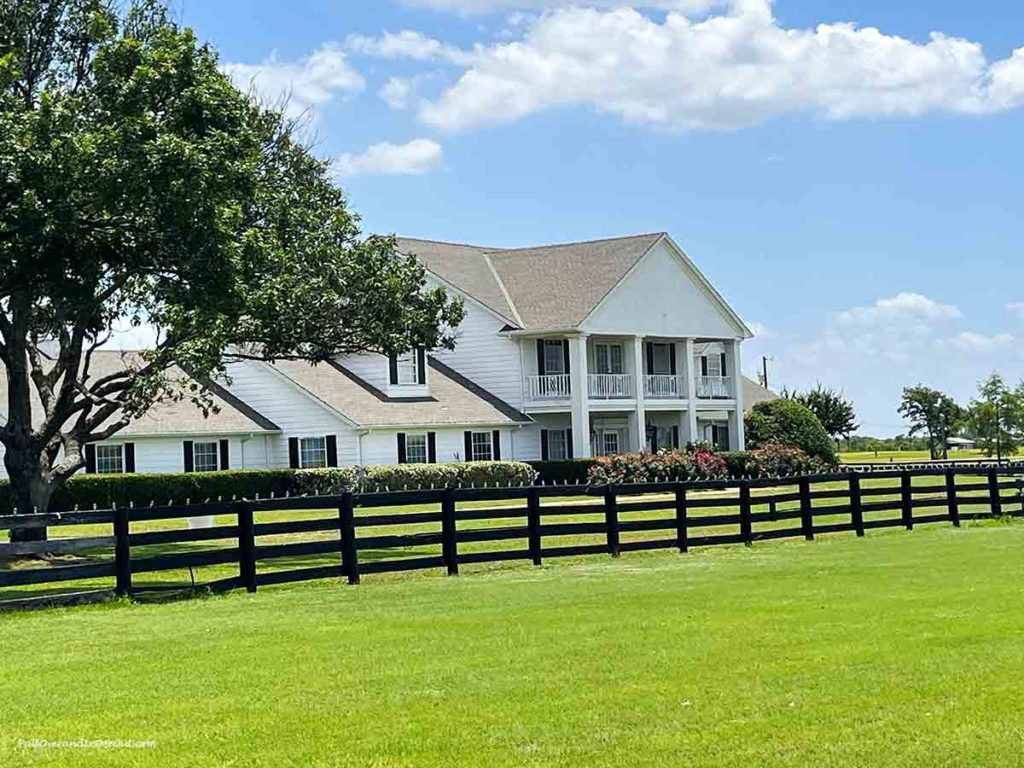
[358, 534]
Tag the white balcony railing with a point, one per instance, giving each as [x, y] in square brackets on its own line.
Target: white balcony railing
[610, 386]
[715, 387]
[665, 387]
[555, 387]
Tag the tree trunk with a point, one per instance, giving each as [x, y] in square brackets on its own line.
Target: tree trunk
[31, 490]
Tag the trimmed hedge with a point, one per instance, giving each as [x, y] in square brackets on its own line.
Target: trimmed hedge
[565, 471]
[107, 491]
[787, 422]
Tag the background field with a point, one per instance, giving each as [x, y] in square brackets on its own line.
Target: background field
[898, 649]
[854, 457]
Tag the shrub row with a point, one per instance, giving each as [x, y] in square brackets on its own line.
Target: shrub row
[106, 491]
[769, 461]
[565, 471]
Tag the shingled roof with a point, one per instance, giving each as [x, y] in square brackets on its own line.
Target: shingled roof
[453, 399]
[181, 417]
[542, 288]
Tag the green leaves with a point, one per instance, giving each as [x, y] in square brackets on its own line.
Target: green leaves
[932, 412]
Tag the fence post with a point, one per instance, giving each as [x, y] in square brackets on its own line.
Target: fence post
[533, 524]
[806, 513]
[856, 504]
[611, 519]
[907, 499]
[951, 499]
[246, 547]
[122, 553]
[682, 534]
[449, 544]
[347, 529]
[994, 494]
[746, 529]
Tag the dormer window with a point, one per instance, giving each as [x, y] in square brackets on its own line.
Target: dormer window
[408, 369]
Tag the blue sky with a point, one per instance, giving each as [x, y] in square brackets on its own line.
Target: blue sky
[856, 191]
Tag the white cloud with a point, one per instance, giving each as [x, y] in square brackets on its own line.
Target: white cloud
[407, 44]
[416, 157]
[982, 344]
[760, 330]
[730, 70]
[491, 6]
[398, 92]
[904, 309]
[1016, 308]
[306, 84]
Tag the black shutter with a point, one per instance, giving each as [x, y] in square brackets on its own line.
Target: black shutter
[703, 365]
[421, 366]
[544, 445]
[190, 464]
[393, 369]
[402, 455]
[332, 450]
[724, 372]
[224, 449]
[568, 443]
[653, 432]
[541, 368]
[90, 459]
[672, 359]
[565, 354]
[293, 452]
[496, 445]
[432, 447]
[675, 436]
[129, 458]
[650, 358]
[469, 445]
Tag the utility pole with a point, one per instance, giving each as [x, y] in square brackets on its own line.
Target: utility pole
[764, 369]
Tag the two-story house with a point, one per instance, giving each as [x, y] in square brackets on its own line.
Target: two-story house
[566, 351]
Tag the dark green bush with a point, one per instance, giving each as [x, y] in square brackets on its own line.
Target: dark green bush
[107, 491]
[787, 422]
[560, 472]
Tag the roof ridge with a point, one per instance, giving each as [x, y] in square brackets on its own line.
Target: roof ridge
[504, 290]
[570, 244]
[481, 248]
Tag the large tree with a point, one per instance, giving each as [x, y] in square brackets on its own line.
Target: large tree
[934, 413]
[834, 411]
[138, 186]
[995, 418]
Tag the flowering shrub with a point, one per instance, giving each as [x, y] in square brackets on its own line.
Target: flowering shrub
[702, 464]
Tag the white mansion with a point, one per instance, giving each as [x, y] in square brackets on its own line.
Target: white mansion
[566, 351]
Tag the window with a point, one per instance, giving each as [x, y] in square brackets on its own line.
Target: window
[720, 436]
[408, 369]
[608, 358]
[609, 443]
[713, 364]
[205, 457]
[661, 359]
[481, 446]
[312, 452]
[554, 357]
[416, 449]
[558, 445]
[109, 459]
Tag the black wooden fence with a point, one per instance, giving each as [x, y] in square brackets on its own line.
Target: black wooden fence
[354, 535]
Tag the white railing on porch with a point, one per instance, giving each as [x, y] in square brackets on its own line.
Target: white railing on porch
[610, 386]
[665, 387]
[555, 387]
[715, 387]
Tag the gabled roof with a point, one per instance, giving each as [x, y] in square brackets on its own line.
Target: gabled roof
[179, 417]
[542, 288]
[453, 399]
[754, 393]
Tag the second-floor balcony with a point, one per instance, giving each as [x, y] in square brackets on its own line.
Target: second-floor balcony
[546, 388]
[611, 386]
[715, 387]
[623, 386]
[665, 387]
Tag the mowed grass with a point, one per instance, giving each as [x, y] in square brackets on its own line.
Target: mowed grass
[899, 649]
[860, 457]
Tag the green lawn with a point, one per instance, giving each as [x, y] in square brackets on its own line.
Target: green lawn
[856, 457]
[900, 649]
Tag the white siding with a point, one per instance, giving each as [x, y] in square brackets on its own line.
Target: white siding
[297, 414]
[370, 367]
[661, 297]
[485, 356]
[381, 446]
[527, 439]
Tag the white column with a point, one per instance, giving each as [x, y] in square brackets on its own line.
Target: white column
[736, 430]
[691, 393]
[640, 438]
[580, 396]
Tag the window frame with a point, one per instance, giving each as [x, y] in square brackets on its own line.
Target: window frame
[605, 434]
[480, 440]
[407, 365]
[666, 349]
[609, 367]
[559, 358]
[303, 452]
[411, 438]
[563, 436]
[196, 453]
[119, 449]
